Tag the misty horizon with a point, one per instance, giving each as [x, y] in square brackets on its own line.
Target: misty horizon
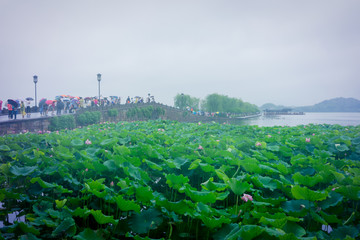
[285, 53]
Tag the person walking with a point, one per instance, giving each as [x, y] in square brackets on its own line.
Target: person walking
[28, 109]
[59, 107]
[22, 109]
[10, 110]
[14, 110]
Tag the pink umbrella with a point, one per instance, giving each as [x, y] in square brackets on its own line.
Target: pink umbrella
[48, 102]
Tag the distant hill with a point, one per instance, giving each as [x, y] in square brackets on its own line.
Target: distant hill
[271, 106]
[331, 105]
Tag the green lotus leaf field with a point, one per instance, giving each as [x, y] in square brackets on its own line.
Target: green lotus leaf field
[170, 180]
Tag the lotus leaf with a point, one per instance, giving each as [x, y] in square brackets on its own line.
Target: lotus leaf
[228, 232]
[201, 196]
[238, 187]
[90, 234]
[145, 221]
[307, 194]
[176, 181]
[4, 148]
[26, 228]
[211, 186]
[22, 171]
[144, 194]
[249, 232]
[214, 222]
[349, 191]
[77, 142]
[308, 181]
[153, 165]
[291, 227]
[66, 227]
[101, 218]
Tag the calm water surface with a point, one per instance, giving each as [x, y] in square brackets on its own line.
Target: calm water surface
[344, 119]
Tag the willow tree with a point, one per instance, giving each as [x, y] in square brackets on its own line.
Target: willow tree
[221, 103]
[183, 101]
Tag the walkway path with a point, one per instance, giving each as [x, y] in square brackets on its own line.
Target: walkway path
[5, 118]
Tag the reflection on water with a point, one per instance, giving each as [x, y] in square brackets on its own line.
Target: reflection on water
[344, 119]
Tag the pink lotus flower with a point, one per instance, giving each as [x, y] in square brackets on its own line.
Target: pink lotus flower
[112, 184]
[269, 136]
[258, 144]
[313, 134]
[86, 169]
[200, 147]
[246, 197]
[87, 142]
[307, 140]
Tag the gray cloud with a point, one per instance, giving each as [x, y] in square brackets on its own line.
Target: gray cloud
[285, 52]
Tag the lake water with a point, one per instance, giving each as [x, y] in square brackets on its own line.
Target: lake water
[344, 119]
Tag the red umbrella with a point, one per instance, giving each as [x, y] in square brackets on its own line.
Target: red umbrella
[48, 102]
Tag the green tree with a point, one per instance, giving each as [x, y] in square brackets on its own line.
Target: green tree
[183, 100]
[221, 103]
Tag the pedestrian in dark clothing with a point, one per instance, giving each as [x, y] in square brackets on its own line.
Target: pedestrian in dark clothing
[59, 107]
[14, 112]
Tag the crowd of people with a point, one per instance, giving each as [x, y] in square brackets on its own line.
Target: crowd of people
[64, 104]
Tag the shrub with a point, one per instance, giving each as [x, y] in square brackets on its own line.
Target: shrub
[145, 113]
[113, 112]
[87, 118]
[62, 122]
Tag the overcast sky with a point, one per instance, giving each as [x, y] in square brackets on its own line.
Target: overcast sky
[285, 52]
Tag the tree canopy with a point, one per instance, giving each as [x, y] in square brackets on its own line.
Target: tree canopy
[221, 103]
[183, 101]
[215, 103]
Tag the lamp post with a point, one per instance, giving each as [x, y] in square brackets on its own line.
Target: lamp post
[35, 81]
[99, 80]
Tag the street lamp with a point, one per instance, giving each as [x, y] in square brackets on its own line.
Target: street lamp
[35, 81]
[99, 80]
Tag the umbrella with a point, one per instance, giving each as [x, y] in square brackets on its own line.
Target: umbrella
[66, 99]
[13, 103]
[29, 98]
[48, 102]
[63, 95]
[42, 101]
[114, 97]
[88, 98]
[58, 97]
